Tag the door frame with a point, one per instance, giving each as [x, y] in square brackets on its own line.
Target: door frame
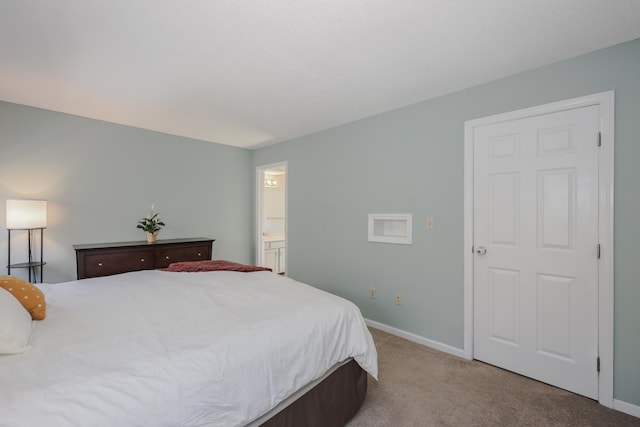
[605, 102]
[260, 171]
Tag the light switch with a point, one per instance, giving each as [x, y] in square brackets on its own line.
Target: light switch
[429, 223]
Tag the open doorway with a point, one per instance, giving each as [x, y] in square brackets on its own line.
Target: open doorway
[271, 242]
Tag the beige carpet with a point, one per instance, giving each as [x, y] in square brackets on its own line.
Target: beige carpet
[419, 386]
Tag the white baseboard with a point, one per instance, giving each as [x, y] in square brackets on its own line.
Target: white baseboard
[416, 338]
[627, 408]
[618, 405]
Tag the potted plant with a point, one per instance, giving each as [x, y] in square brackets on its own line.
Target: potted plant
[151, 225]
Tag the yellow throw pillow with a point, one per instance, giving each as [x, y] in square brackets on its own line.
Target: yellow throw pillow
[29, 296]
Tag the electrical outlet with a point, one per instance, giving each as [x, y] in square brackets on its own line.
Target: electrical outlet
[372, 293]
[429, 223]
[398, 299]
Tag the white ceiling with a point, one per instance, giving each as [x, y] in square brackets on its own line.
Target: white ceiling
[250, 73]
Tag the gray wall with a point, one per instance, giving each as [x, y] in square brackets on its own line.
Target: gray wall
[100, 179]
[411, 161]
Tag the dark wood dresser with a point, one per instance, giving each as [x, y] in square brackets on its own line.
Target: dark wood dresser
[105, 259]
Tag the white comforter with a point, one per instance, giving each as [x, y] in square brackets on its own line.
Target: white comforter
[155, 348]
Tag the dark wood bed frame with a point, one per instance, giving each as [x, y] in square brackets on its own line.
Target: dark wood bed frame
[332, 402]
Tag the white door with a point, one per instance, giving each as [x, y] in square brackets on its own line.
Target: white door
[535, 213]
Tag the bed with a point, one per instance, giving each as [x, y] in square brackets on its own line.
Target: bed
[159, 348]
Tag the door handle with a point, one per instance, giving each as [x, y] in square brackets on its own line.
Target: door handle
[481, 250]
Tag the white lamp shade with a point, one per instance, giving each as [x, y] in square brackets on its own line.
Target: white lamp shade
[25, 214]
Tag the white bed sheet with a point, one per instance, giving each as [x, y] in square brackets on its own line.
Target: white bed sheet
[155, 348]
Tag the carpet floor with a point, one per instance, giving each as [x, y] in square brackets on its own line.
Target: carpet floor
[420, 386]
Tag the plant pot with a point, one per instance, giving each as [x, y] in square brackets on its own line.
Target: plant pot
[151, 237]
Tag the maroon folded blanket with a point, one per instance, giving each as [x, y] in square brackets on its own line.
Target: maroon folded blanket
[211, 265]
